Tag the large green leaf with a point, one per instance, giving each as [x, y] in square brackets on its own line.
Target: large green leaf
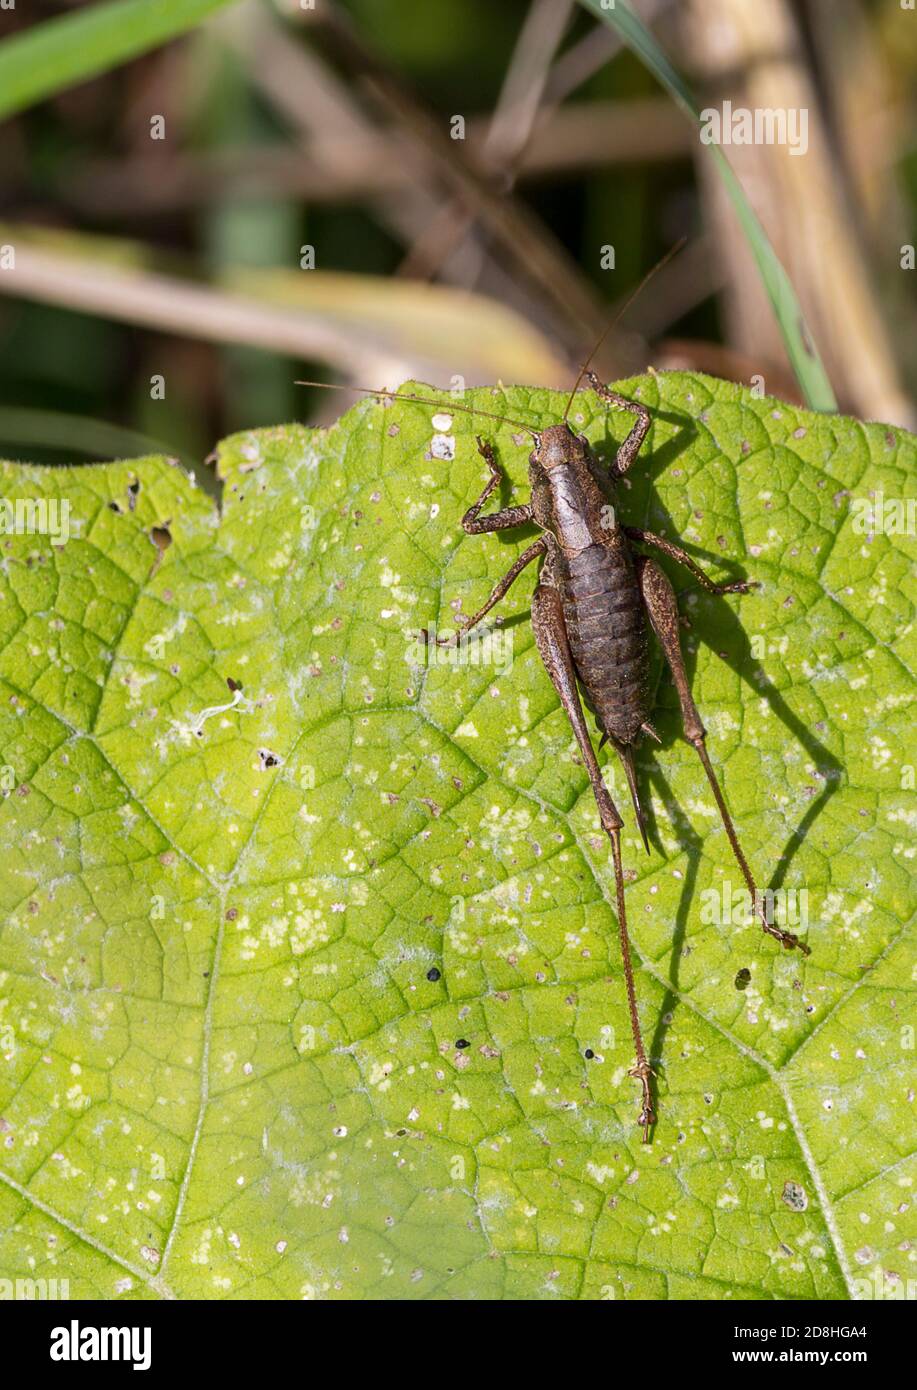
[225, 1070]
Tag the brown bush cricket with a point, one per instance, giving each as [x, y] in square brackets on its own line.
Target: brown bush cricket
[596, 600]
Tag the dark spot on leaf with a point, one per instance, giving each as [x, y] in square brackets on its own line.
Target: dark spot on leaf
[433, 975]
[462, 1042]
[589, 1054]
[795, 1196]
[743, 978]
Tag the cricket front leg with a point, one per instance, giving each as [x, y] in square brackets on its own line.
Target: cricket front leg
[629, 450]
[475, 524]
[554, 648]
[662, 608]
[675, 552]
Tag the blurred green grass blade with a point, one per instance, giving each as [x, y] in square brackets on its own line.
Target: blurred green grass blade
[797, 338]
[55, 55]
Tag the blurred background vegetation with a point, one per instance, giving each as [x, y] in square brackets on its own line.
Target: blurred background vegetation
[160, 199]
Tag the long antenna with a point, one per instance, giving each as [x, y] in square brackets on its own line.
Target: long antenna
[672, 251]
[421, 400]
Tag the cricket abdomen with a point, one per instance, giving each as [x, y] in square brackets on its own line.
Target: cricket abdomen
[606, 628]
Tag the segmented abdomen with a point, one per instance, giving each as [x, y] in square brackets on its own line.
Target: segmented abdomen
[606, 627]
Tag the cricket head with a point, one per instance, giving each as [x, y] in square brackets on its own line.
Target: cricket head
[556, 446]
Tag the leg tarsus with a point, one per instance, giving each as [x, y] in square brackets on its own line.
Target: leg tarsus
[642, 1073]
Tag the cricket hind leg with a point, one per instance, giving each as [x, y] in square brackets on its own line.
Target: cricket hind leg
[551, 638]
[662, 608]
[629, 450]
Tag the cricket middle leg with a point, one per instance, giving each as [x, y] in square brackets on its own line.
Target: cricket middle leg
[662, 609]
[465, 625]
[675, 552]
[553, 645]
